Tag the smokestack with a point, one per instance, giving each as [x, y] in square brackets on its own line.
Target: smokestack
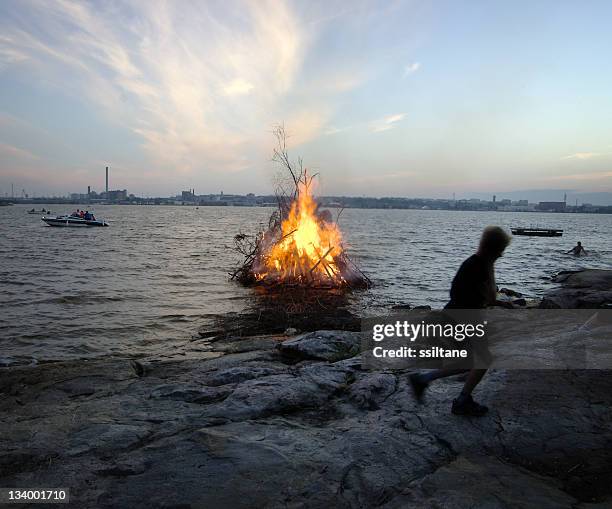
[88, 190]
[107, 182]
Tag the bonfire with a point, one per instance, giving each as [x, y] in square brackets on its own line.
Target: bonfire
[303, 245]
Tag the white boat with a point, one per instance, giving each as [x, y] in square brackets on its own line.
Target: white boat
[73, 221]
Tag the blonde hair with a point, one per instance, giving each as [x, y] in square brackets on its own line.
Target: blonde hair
[494, 239]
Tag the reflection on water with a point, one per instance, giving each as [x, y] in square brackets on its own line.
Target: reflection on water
[144, 284]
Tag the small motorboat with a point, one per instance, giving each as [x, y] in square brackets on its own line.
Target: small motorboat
[537, 232]
[73, 221]
[39, 212]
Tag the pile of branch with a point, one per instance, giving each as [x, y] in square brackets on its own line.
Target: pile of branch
[255, 248]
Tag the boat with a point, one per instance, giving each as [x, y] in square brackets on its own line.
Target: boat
[73, 221]
[38, 212]
[537, 232]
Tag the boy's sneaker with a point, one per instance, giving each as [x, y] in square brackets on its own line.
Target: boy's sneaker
[465, 405]
[418, 386]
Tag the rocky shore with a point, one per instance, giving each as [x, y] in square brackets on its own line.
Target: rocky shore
[276, 420]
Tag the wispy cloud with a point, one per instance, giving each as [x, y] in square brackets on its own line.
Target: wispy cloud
[238, 87]
[175, 73]
[15, 152]
[305, 125]
[335, 130]
[9, 54]
[411, 68]
[596, 175]
[386, 123]
[583, 155]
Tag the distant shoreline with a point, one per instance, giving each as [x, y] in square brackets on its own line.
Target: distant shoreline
[463, 207]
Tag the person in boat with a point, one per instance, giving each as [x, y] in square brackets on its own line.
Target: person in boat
[473, 287]
[82, 214]
[87, 216]
[577, 250]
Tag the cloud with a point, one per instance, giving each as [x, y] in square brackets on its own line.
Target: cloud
[15, 152]
[583, 155]
[386, 123]
[171, 72]
[238, 87]
[8, 54]
[583, 176]
[335, 130]
[305, 125]
[411, 68]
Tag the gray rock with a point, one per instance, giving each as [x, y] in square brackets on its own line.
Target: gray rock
[105, 437]
[310, 387]
[322, 345]
[316, 433]
[372, 390]
[239, 374]
[586, 289]
[190, 394]
[482, 482]
[590, 279]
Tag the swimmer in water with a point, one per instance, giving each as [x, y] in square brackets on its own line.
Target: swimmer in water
[577, 250]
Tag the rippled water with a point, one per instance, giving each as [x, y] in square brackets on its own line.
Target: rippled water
[144, 284]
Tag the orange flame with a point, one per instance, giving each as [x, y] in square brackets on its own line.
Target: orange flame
[309, 246]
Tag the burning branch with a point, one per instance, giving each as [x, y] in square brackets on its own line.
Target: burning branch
[321, 259]
[289, 252]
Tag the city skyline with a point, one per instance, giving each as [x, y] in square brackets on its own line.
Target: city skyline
[523, 197]
[383, 99]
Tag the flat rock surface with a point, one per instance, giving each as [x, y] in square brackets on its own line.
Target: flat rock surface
[252, 428]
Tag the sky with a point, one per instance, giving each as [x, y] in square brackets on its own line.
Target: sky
[397, 98]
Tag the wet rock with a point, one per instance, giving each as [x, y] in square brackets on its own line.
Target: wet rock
[211, 334]
[592, 279]
[248, 344]
[510, 293]
[549, 303]
[303, 309]
[401, 306]
[586, 289]
[139, 368]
